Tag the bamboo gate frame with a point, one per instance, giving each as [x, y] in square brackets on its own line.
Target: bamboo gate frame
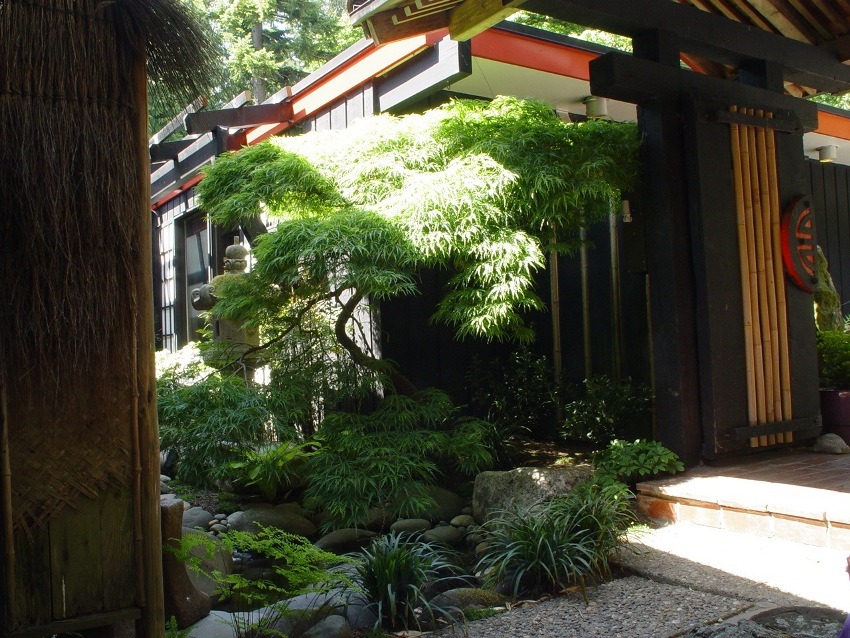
[765, 315]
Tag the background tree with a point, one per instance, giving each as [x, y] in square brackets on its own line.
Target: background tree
[273, 43]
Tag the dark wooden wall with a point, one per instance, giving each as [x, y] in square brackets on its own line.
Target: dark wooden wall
[830, 189]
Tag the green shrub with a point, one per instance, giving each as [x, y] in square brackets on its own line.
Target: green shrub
[834, 359]
[562, 542]
[273, 466]
[518, 394]
[296, 566]
[627, 462]
[394, 574]
[609, 410]
[391, 457]
[207, 417]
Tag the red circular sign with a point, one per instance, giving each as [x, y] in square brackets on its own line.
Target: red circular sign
[799, 247]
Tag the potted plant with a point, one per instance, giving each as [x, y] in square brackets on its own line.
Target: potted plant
[834, 364]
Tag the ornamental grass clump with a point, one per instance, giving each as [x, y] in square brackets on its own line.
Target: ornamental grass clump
[557, 544]
[396, 572]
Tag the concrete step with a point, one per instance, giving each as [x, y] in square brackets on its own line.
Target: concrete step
[801, 497]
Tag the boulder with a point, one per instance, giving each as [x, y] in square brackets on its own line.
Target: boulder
[183, 600]
[521, 488]
[196, 517]
[330, 627]
[410, 525]
[341, 541]
[448, 503]
[219, 624]
[830, 444]
[359, 613]
[221, 561]
[285, 519]
[468, 598]
[378, 519]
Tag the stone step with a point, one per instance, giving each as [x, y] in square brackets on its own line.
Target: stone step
[765, 503]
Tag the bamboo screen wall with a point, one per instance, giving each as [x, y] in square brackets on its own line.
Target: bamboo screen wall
[762, 277]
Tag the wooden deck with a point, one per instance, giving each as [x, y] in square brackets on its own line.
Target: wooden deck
[796, 495]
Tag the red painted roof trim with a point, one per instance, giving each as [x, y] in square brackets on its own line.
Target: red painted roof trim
[521, 50]
[833, 125]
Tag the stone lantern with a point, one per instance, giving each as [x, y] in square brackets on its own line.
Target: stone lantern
[233, 338]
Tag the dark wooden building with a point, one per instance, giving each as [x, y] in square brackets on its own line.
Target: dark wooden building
[658, 295]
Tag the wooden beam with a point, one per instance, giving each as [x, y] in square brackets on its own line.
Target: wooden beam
[177, 121]
[447, 62]
[840, 47]
[383, 28]
[781, 16]
[630, 79]
[240, 117]
[706, 35]
[474, 16]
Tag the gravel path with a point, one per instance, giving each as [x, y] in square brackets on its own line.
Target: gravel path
[693, 582]
[628, 607]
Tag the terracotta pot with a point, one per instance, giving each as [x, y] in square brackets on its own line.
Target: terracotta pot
[835, 411]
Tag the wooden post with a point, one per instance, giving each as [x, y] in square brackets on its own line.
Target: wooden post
[8, 522]
[152, 623]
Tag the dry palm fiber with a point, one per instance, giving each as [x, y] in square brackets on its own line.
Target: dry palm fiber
[69, 161]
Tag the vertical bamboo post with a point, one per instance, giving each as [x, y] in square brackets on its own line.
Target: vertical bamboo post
[766, 187]
[764, 320]
[737, 175]
[152, 622]
[8, 520]
[555, 294]
[779, 277]
[749, 222]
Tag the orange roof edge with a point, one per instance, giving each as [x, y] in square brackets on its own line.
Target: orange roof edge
[833, 125]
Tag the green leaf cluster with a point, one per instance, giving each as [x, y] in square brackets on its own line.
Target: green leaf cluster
[391, 457]
[608, 410]
[472, 187]
[565, 541]
[272, 467]
[833, 348]
[295, 566]
[629, 461]
[394, 574]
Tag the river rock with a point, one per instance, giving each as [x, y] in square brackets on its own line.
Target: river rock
[284, 519]
[341, 541]
[830, 444]
[448, 503]
[196, 517]
[410, 525]
[519, 489]
[447, 534]
[464, 520]
[330, 627]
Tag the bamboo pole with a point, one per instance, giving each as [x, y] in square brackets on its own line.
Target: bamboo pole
[737, 173]
[555, 292]
[138, 536]
[152, 622]
[766, 188]
[781, 303]
[758, 360]
[8, 520]
[763, 312]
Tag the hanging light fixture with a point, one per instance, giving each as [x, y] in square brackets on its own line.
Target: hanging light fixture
[828, 153]
[596, 107]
